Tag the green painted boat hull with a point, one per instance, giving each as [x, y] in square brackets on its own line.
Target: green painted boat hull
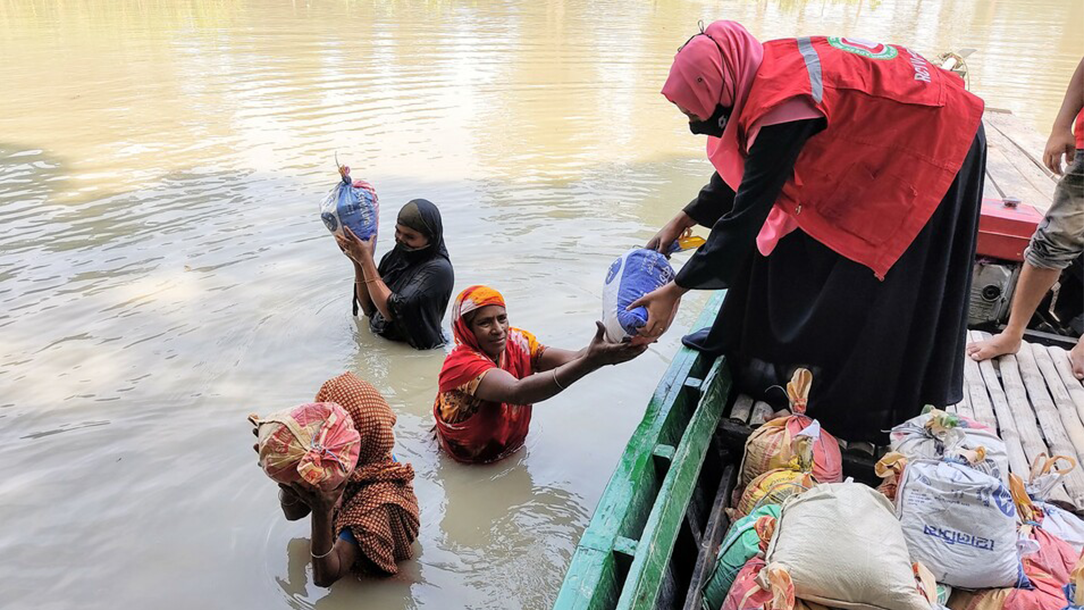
[652, 541]
[665, 495]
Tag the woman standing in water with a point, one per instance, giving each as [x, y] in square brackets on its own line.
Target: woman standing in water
[843, 215]
[495, 373]
[405, 297]
[368, 523]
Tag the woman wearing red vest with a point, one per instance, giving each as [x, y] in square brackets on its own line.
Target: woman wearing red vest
[843, 215]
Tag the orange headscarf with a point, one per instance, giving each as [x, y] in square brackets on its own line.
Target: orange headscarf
[495, 430]
[467, 361]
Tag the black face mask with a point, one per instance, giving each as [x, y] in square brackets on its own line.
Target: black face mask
[715, 124]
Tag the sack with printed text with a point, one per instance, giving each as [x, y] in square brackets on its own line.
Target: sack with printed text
[353, 204]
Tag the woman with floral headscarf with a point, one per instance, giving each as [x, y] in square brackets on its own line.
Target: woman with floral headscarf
[495, 373]
[369, 522]
[843, 212]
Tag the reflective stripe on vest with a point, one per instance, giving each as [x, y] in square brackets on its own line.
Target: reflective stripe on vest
[813, 65]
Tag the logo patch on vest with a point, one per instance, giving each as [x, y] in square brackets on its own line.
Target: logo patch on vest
[865, 48]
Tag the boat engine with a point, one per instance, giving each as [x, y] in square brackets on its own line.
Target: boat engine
[1005, 228]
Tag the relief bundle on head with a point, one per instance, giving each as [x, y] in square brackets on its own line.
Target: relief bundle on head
[314, 443]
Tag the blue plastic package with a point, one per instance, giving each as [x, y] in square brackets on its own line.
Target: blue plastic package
[634, 274]
[352, 203]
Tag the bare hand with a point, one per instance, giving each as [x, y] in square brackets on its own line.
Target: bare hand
[353, 247]
[1061, 142]
[662, 305]
[602, 352]
[668, 234]
[319, 500]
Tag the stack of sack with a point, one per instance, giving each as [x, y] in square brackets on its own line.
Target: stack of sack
[778, 484]
[1048, 560]
[973, 524]
[1058, 520]
[837, 545]
[746, 539]
[960, 522]
[949, 527]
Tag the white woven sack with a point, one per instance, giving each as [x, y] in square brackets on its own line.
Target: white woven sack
[843, 548]
[915, 441]
[960, 523]
[1063, 524]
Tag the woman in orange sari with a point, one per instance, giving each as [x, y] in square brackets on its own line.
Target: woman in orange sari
[496, 372]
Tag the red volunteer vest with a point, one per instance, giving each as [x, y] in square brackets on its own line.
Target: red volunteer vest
[898, 131]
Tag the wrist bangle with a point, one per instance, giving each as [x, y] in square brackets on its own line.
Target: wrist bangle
[554, 371]
[282, 499]
[315, 556]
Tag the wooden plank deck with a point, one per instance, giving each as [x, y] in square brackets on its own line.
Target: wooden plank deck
[1040, 414]
[1014, 165]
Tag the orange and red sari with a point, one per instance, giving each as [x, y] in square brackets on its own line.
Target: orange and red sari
[470, 429]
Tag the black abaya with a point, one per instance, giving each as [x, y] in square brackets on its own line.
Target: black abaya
[879, 350]
[420, 282]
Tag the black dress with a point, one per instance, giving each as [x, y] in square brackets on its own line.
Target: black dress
[420, 282]
[878, 351]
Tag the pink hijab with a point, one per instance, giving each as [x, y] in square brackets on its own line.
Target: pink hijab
[718, 68]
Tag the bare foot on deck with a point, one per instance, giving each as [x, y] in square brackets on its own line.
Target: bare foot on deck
[998, 345]
[1076, 358]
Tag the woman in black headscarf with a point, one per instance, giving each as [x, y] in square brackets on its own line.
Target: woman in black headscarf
[406, 296]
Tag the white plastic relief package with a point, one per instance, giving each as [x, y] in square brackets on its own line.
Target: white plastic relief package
[634, 274]
[960, 523]
[1063, 524]
[843, 547]
[916, 439]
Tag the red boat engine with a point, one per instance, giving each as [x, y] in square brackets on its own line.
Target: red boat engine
[1005, 228]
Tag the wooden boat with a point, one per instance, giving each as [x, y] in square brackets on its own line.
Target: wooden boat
[656, 530]
[654, 534]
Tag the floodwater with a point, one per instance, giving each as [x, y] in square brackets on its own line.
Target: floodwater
[163, 270]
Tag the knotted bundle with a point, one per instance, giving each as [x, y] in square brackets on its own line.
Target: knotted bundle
[351, 203]
[775, 486]
[314, 442]
[768, 446]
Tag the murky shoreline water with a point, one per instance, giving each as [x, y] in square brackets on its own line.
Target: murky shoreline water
[163, 270]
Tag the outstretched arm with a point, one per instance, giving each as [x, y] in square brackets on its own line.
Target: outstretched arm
[501, 386]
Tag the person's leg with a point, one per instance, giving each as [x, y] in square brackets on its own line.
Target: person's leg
[1058, 240]
[1032, 286]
